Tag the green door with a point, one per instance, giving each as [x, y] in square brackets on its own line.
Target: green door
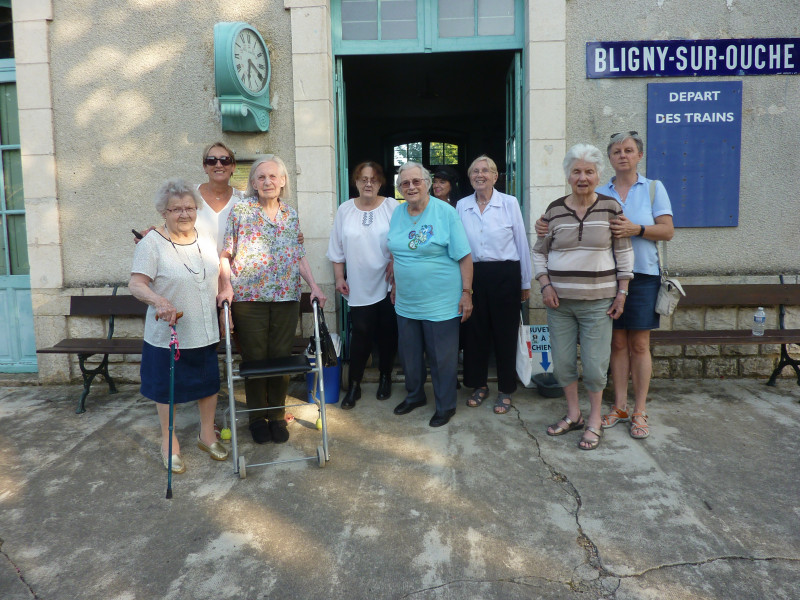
[17, 341]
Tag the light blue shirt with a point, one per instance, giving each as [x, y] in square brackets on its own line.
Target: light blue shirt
[426, 251]
[638, 210]
[498, 233]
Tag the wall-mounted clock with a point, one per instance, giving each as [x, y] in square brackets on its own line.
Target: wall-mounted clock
[241, 72]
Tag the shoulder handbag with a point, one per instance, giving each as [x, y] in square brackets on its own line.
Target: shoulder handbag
[670, 291]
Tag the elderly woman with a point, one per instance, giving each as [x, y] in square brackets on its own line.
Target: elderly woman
[647, 218]
[358, 241]
[583, 271]
[445, 185]
[261, 264]
[502, 280]
[174, 269]
[433, 291]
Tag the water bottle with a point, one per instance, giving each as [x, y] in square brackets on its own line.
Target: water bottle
[759, 321]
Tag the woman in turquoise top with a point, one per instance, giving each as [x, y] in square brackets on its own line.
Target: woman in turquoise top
[432, 293]
[260, 268]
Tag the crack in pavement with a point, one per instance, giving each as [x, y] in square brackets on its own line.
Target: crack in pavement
[512, 580]
[698, 563]
[18, 571]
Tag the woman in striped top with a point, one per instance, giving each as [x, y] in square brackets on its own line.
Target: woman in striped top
[583, 272]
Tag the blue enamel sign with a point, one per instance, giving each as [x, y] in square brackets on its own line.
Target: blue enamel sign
[686, 58]
[694, 133]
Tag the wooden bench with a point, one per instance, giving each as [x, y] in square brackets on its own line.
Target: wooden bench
[122, 306]
[750, 295]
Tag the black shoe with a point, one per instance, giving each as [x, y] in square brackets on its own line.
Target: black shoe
[384, 387]
[280, 434]
[353, 394]
[260, 432]
[406, 407]
[437, 420]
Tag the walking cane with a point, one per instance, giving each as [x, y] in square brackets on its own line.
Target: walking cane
[174, 354]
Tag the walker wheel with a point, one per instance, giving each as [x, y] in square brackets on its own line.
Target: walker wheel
[320, 456]
[344, 380]
[242, 467]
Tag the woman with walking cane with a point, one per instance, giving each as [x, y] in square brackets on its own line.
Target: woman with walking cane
[173, 266]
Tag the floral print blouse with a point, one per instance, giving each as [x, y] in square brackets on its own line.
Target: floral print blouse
[265, 263]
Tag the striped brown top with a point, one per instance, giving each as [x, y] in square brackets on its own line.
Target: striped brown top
[581, 256]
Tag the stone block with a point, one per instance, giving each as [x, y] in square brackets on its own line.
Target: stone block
[315, 169]
[792, 317]
[688, 319]
[757, 366]
[128, 327]
[86, 327]
[739, 350]
[661, 369]
[50, 303]
[36, 130]
[313, 121]
[666, 323]
[667, 350]
[721, 318]
[548, 64]
[312, 76]
[540, 199]
[316, 211]
[702, 350]
[686, 368]
[548, 116]
[41, 217]
[545, 159]
[49, 330]
[124, 373]
[746, 313]
[39, 175]
[30, 41]
[46, 266]
[721, 367]
[770, 349]
[311, 30]
[53, 368]
[547, 19]
[33, 86]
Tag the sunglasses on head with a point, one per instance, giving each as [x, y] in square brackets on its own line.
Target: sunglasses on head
[634, 134]
[210, 161]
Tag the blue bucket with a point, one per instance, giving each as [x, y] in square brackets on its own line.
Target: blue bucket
[331, 377]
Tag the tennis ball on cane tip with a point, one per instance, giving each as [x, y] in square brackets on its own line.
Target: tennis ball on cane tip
[225, 434]
[319, 423]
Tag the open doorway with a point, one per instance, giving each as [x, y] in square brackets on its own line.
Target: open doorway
[439, 108]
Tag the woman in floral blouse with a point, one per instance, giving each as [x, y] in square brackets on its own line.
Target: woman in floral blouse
[260, 268]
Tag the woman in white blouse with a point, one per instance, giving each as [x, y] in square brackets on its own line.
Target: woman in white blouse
[176, 270]
[501, 281]
[358, 244]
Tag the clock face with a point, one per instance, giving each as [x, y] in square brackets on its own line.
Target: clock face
[250, 60]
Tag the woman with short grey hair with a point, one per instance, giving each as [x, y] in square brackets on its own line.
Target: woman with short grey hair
[583, 271]
[175, 270]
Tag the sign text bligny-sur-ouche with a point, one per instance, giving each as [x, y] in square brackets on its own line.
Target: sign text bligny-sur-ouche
[670, 58]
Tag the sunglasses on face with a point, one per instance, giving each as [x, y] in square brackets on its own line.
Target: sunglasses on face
[210, 161]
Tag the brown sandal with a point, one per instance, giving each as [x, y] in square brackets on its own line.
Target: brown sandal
[639, 427]
[477, 397]
[571, 426]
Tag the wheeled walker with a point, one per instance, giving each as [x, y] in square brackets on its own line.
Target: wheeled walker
[274, 367]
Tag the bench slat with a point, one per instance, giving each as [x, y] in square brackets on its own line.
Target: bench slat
[103, 306]
[728, 336]
[766, 294]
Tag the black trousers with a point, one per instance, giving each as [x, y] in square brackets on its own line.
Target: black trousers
[493, 325]
[368, 322]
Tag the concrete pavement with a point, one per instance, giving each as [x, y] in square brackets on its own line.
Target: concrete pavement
[485, 507]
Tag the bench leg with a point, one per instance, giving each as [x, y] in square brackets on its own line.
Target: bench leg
[88, 377]
[784, 361]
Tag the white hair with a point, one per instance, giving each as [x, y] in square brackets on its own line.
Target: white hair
[426, 175]
[585, 152]
[176, 188]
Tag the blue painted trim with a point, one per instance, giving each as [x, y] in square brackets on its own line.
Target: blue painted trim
[8, 70]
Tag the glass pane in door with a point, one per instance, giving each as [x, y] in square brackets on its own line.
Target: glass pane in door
[456, 18]
[495, 17]
[398, 19]
[359, 19]
[18, 245]
[12, 180]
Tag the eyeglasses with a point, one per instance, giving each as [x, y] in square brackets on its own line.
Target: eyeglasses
[633, 134]
[179, 211]
[404, 185]
[484, 171]
[210, 161]
[368, 180]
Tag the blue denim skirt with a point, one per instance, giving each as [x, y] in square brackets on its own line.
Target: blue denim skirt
[640, 305]
[196, 374]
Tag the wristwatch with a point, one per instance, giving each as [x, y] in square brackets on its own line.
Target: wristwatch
[623, 292]
[641, 231]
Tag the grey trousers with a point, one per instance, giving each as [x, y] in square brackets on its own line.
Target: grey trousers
[438, 340]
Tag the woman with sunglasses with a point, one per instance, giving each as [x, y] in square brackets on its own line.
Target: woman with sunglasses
[175, 269]
[219, 163]
[358, 242]
[260, 269]
[645, 222]
[432, 293]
